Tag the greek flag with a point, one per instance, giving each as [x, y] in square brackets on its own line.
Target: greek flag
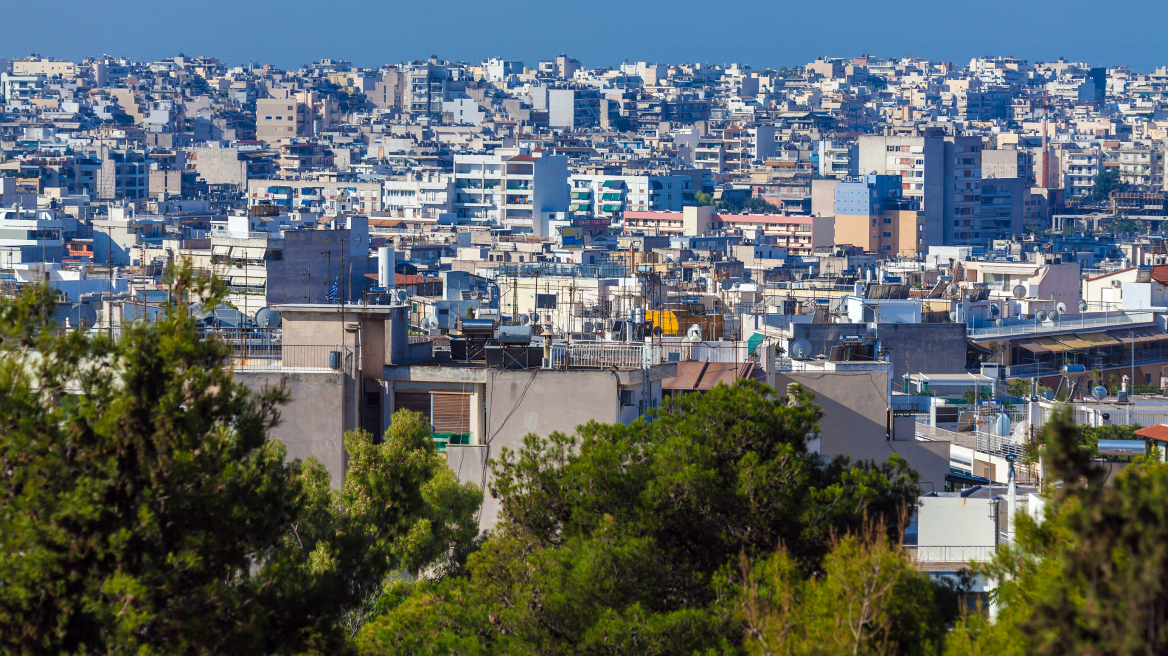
[334, 291]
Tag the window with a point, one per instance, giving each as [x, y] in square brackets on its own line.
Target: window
[887, 247]
[545, 301]
[887, 234]
[888, 220]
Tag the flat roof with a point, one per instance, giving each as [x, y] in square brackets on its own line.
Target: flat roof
[953, 379]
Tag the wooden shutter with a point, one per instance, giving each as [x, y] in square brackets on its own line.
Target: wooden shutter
[451, 412]
[416, 400]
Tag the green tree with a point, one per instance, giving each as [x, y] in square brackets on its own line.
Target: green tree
[870, 599]
[1089, 578]
[143, 509]
[618, 539]
[1020, 387]
[1106, 181]
[702, 199]
[343, 531]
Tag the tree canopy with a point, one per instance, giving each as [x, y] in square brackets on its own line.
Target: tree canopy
[144, 510]
[622, 539]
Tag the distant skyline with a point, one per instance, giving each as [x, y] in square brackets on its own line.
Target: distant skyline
[759, 33]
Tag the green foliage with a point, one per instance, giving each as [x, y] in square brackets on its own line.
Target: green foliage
[870, 599]
[1088, 579]
[972, 396]
[1106, 181]
[1020, 387]
[1121, 224]
[143, 509]
[1085, 438]
[403, 485]
[702, 199]
[620, 539]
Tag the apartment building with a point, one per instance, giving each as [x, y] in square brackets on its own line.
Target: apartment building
[30, 235]
[872, 213]
[428, 196]
[427, 84]
[606, 197]
[327, 197]
[295, 114]
[512, 188]
[944, 173]
[124, 175]
[800, 235]
[45, 67]
[1079, 170]
[836, 159]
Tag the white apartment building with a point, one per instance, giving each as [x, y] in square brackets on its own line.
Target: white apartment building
[836, 159]
[429, 197]
[326, 197]
[28, 235]
[1079, 171]
[608, 196]
[511, 188]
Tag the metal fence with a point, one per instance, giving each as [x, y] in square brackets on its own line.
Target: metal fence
[299, 358]
[601, 355]
[950, 554]
[1033, 327]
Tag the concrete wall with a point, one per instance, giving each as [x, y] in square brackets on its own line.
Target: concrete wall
[935, 348]
[312, 422]
[956, 521]
[855, 422]
[312, 259]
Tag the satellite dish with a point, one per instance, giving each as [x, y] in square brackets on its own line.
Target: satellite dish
[951, 289]
[1061, 307]
[524, 319]
[534, 317]
[998, 322]
[1082, 305]
[1019, 291]
[1040, 315]
[800, 349]
[430, 322]
[657, 332]
[727, 285]
[953, 317]
[82, 316]
[694, 334]
[1099, 392]
[1053, 316]
[402, 296]
[994, 309]
[266, 317]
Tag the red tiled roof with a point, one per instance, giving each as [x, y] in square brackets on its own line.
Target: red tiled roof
[1160, 273]
[1158, 432]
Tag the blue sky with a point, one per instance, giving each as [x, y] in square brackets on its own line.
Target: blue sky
[760, 33]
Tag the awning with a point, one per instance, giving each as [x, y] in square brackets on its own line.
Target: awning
[1074, 342]
[1032, 347]
[610, 208]
[610, 197]
[1138, 335]
[581, 194]
[612, 184]
[1098, 339]
[754, 341]
[578, 208]
[1052, 345]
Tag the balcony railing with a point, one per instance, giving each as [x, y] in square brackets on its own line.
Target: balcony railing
[1063, 325]
[950, 554]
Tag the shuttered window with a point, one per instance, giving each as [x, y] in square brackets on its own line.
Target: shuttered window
[451, 412]
[416, 400]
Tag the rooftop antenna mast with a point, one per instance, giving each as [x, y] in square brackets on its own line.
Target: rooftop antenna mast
[1045, 141]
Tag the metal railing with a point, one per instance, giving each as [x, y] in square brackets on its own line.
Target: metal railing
[1032, 369]
[600, 355]
[1063, 325]
[299, 358]
[950, 554]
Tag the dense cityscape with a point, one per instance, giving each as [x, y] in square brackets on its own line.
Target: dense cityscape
[864, 355]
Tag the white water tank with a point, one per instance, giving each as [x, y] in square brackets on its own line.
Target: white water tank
[385, 277]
